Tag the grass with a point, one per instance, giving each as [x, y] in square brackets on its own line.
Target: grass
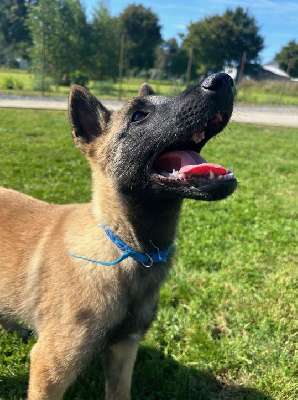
[226, 323]
[248, 92]
[270, 93]
[25, 83]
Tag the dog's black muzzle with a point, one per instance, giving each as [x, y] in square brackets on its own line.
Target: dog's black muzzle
[200, 113]
[202, 102]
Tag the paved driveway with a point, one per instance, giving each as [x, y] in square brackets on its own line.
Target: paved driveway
[276, 116]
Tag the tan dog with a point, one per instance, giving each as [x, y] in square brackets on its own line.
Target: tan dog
[144, 161]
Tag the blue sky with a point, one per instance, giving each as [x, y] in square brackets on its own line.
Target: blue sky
[277, 19]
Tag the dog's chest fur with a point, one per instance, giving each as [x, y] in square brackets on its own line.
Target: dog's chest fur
[141, 299]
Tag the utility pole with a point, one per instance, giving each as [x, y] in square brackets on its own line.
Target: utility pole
[290, 60]
[243, 62]
[121, 66]
[43, 57]
[188, 71]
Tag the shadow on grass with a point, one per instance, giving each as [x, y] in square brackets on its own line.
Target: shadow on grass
[160, 377]
[14, 387]
[156, 377]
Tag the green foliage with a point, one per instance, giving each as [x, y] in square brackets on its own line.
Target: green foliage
[226, 322]
[11, 83]
[171, 58]
[268, 93]
[246, 35]
[209, 38]
[14, 33]
[8, 83]
[60, 36]
[221, 39]
[79, 78]
[105, 44]
[37, 84]
[142, 35]
[289, 54]
[56, 33]
[105, 88]
[21, 80]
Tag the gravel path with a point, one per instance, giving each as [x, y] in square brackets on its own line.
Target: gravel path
[276, 116]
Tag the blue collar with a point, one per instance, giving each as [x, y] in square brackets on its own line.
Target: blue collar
[147, 259]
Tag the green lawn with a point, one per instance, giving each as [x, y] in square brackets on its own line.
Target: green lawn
[25, 83]
[270, 93]
[226, 323]
[248, 92]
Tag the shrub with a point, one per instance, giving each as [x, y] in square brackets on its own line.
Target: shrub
[8, 83]
[11, 83]
[37, 84]
[104, 88]
[79, 78]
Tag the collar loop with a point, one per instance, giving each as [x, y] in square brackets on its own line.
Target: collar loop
[147, 259]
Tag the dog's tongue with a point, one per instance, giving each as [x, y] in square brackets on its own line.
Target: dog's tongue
[187, 162]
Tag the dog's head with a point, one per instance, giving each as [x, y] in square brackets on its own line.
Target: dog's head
[151, 147]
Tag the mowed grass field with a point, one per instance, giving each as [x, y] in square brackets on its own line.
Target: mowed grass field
[227, 321]
[250, 92]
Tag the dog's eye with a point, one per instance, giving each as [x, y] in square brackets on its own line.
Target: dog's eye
[139, 116]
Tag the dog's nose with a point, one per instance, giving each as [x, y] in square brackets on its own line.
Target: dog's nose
[218, 82]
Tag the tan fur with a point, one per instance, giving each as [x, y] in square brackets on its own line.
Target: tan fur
[57, 294]
[68, 301]
[77, 308]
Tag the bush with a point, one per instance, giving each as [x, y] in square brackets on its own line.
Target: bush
[64, 80]
[103, 88]
[79, 78]
[10, 83]
[37, 84]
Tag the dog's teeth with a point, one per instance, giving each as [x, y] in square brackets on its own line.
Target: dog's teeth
[198, 136]
[219, 116]
[211, 175]
[175, 174]
[229, 175]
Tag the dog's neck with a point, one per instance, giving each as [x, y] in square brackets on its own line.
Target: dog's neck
[142, 224]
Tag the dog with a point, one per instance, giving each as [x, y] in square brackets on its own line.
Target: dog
[87, 277]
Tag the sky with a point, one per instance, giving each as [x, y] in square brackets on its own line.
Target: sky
[277, 19]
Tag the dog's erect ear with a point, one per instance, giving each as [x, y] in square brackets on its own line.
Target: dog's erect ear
[88, 117]
[146, 90]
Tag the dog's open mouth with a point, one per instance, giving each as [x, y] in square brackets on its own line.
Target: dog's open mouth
[186, 166]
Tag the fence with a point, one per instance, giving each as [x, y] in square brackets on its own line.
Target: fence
[24, 82]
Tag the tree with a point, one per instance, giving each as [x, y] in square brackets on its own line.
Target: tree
[74, 37]
[14, 34]
[247, 38]
[221, 40]
[142, 35]
[288, 57]
[60, 33]
[209, 38]
[170, 57]
[105, 44]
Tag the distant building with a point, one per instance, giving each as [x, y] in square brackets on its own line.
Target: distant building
[269, 71]
[22, 64]
[273, 72]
